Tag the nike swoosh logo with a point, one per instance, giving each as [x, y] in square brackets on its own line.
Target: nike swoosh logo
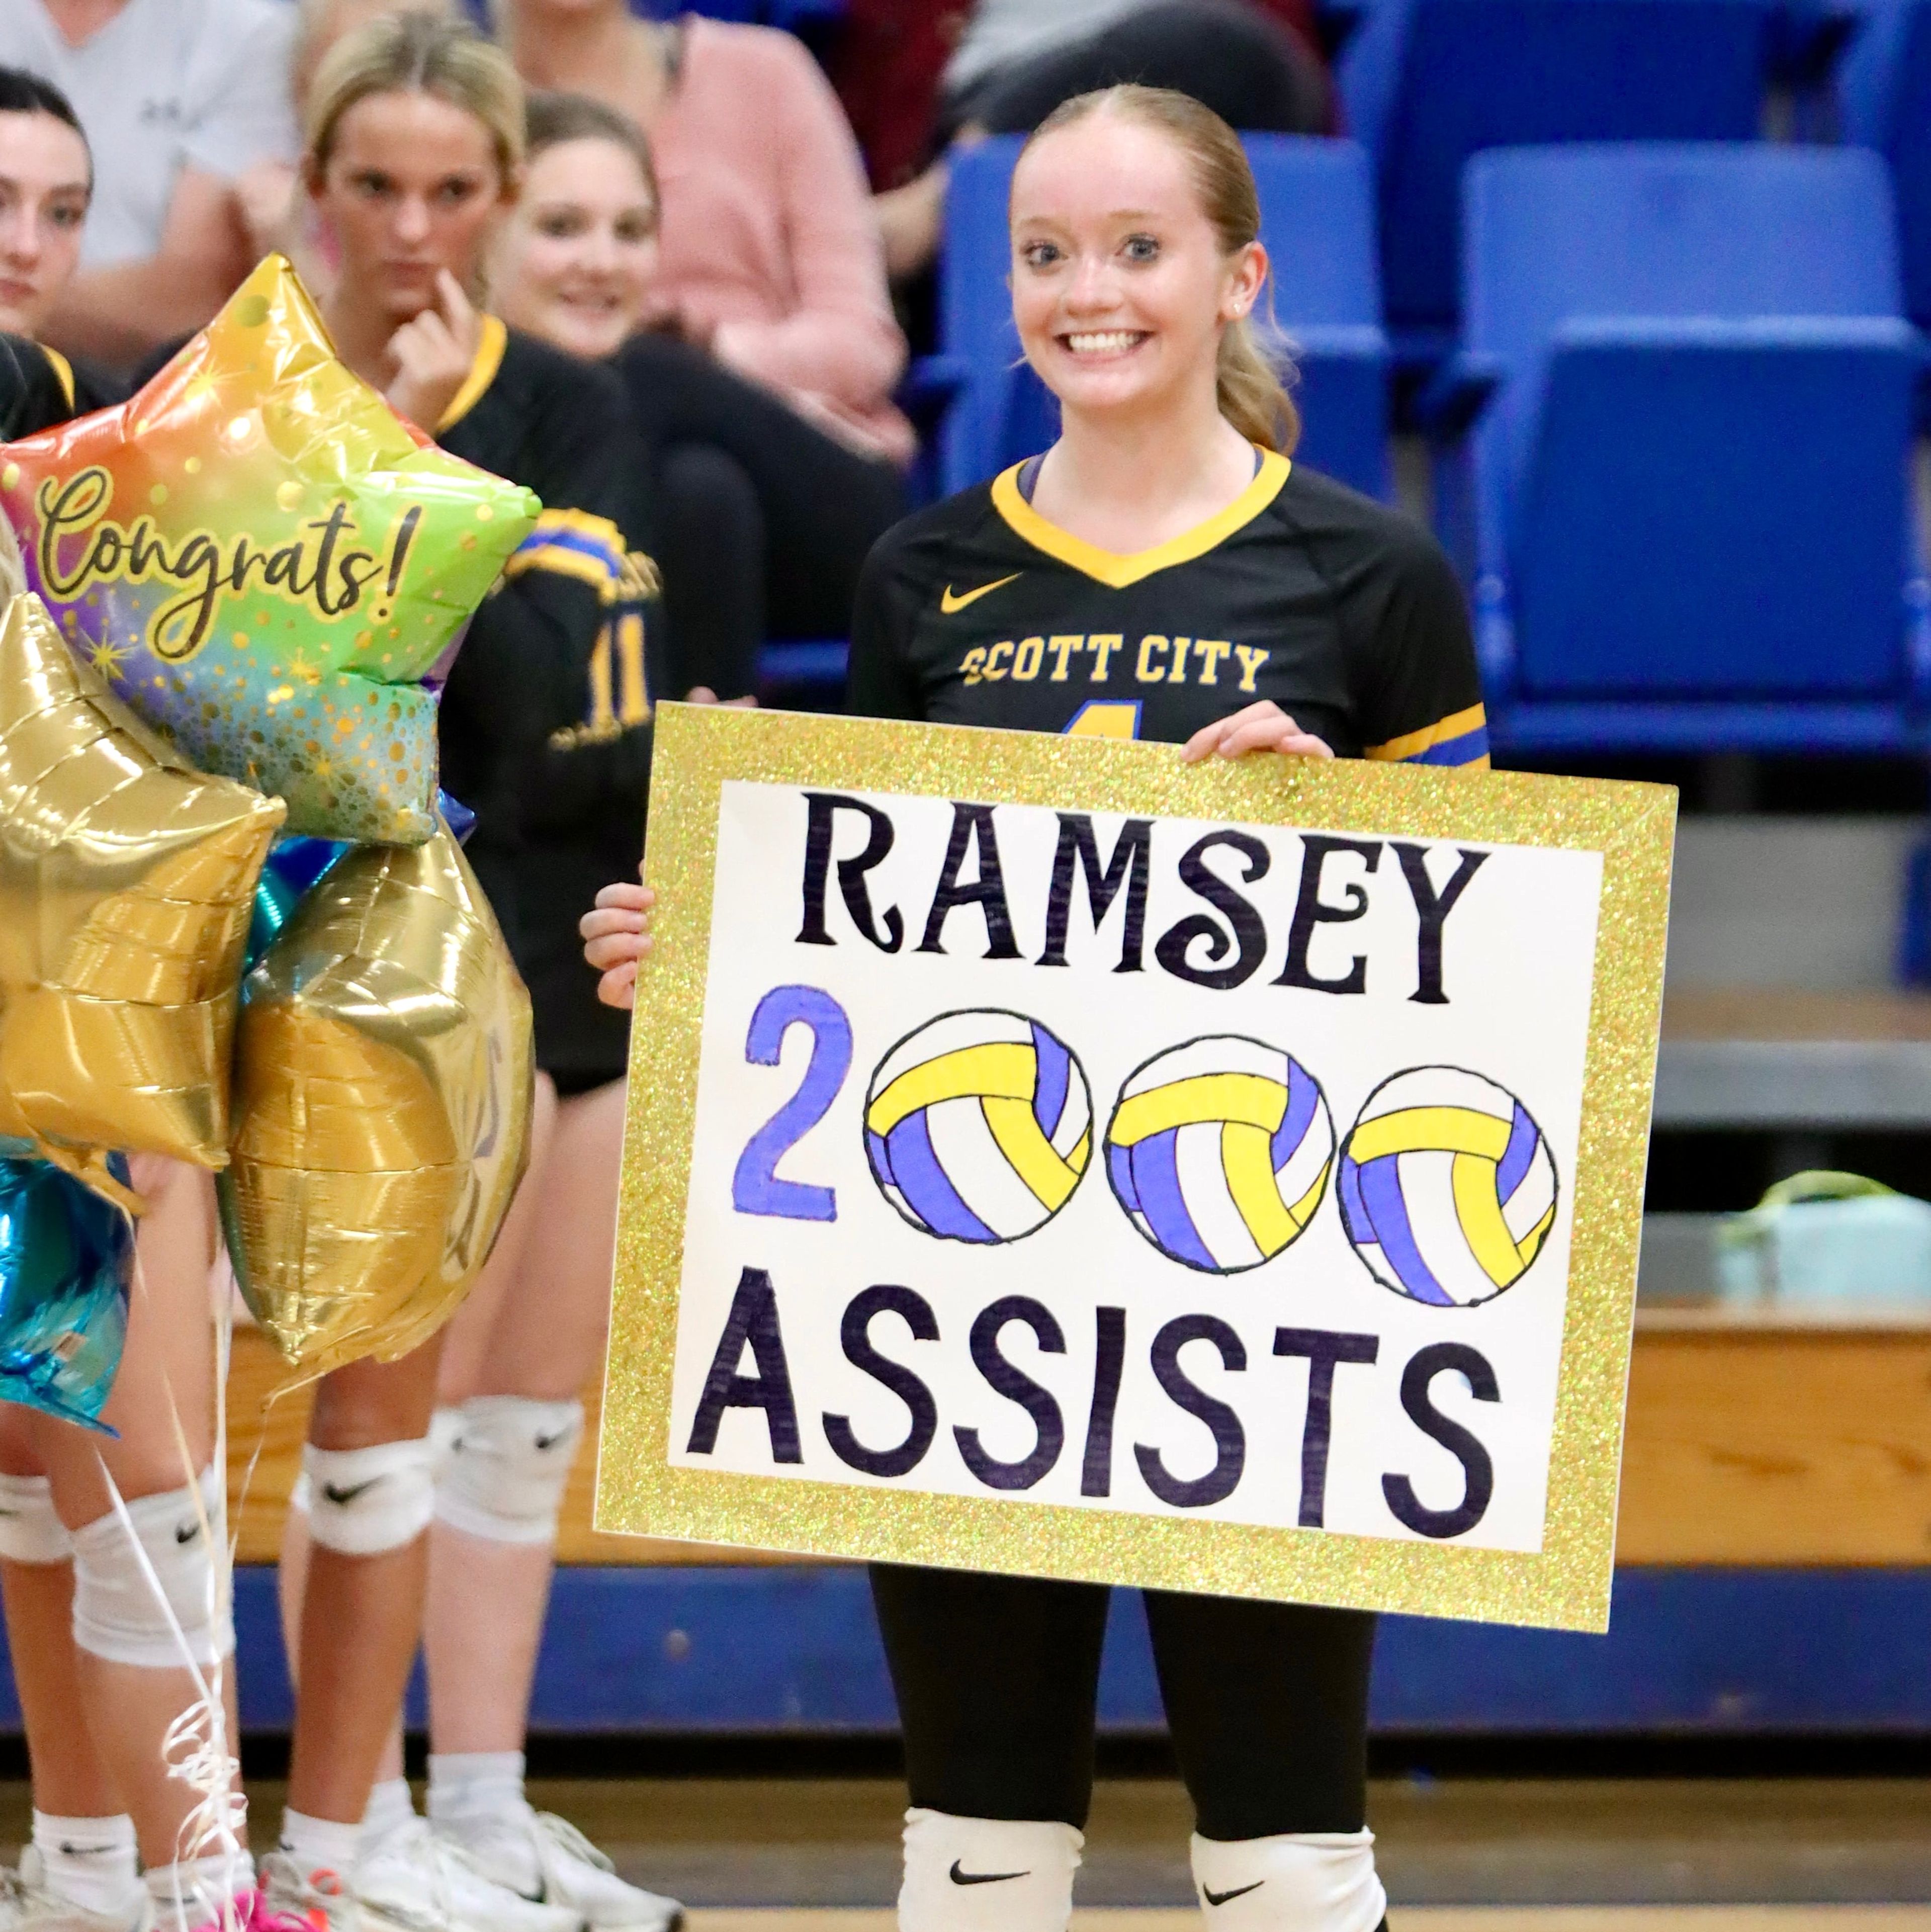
[1238, 1891]
[948, 603]
[959, 1877]
[550, 1441]
[186, 1533]
[340, 1497]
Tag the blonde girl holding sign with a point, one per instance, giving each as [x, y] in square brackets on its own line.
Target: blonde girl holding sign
[1196, 587]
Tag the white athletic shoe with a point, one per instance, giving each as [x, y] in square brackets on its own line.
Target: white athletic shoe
[539, 1856]
[413, 1877]
[320, 1899]
[26, 1905]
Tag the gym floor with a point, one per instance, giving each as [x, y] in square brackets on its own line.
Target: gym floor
[1458, 1855]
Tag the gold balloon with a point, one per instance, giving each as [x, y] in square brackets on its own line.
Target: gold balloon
[126, 884]
[382, 1084]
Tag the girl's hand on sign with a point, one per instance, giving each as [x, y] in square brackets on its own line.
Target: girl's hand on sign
[616, 935]
[1264, 727]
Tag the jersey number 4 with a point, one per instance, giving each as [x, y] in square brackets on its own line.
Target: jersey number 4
[1102, 718]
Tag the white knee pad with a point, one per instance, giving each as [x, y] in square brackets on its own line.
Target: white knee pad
[508, 1461]
[117, 1613]
[361, 1502]
[30, 1532]
[987, 1874]
[1300, 1882]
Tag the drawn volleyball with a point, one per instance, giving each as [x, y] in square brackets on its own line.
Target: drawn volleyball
[978, 1126]
[1219, 1151]
[1447, 1187]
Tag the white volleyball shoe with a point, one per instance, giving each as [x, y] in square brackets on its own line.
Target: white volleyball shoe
[540, 1856]
[413, 1876]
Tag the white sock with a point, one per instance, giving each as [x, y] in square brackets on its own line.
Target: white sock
[194, 1893]
[321, 1844]
[986, 1874]
[1299, 1882]
[469, 1785]
[391, 1809]
[472, 1791]
[90, 1862]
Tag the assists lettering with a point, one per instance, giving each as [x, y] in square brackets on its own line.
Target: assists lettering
[768, 1384]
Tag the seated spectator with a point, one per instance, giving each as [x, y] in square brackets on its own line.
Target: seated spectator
[762, 378]
[1253, 61]
[278, 218]
[177, 100]
[46, 179]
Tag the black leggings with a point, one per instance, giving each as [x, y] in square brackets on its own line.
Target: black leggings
[996, 1678]
[761, 520]
[1251, 70]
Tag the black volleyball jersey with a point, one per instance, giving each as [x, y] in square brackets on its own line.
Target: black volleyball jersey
[545, 725]
[1347, 615]
[39, 387]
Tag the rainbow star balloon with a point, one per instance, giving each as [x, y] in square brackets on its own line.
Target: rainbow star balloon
[265, 561]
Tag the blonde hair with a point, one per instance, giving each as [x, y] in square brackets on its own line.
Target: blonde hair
[315, 34]
[1248, 386]
[412, 51]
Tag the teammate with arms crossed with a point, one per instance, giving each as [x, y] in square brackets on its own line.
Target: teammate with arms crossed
[1163, 571]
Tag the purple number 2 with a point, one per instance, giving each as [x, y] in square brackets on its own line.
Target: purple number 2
[756, 1188]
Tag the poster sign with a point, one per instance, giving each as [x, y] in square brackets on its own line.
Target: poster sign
[1044, 1156]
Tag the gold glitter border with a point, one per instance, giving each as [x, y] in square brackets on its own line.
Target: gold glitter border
[1564, 1586]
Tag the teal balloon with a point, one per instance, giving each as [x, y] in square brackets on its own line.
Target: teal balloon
[274, 900]
[67, 1257]
[293, 865]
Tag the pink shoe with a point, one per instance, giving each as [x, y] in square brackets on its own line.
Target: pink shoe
[242, 1914]
[253, 1913]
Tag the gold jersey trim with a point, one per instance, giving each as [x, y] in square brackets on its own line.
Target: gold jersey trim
[1412, 744]
[1116, 571]
[63, 372]
[495, 338]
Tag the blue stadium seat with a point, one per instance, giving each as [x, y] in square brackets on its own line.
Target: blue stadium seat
[1689, 506]
[1885, 94]
[1317, 217]
[1427, 83]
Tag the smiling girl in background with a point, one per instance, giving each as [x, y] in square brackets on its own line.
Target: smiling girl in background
[761, 358]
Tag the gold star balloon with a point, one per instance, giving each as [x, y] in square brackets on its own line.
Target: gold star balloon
[382, 1087]
[265, 561]
[126, 882]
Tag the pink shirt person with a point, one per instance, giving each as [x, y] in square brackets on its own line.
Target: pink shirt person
[768, 242]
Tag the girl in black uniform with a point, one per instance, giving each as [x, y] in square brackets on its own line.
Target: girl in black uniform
[414, 152]
[1163, 571]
